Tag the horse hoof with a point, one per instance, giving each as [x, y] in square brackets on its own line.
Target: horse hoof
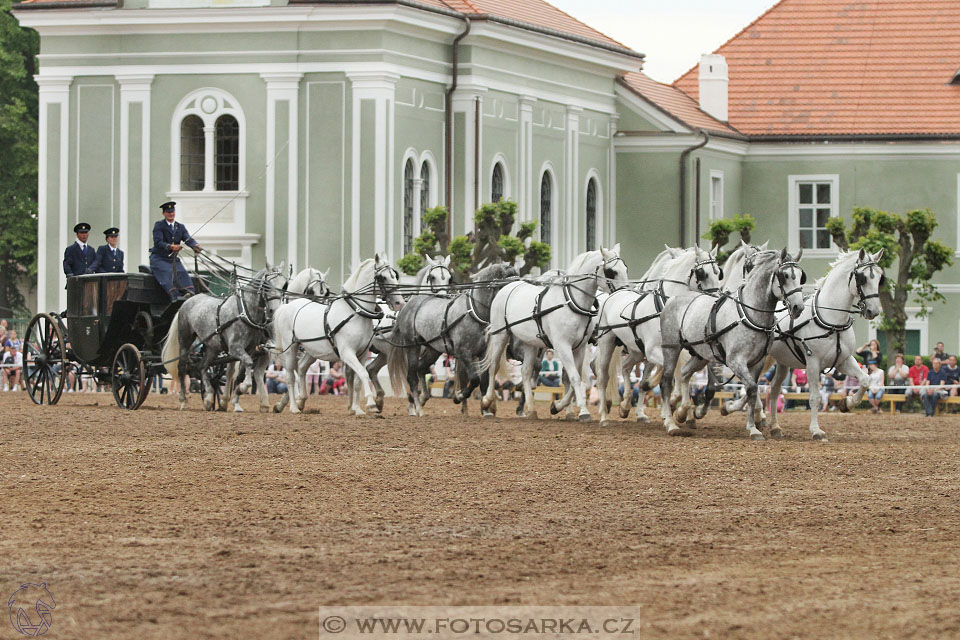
[763, 423]
[267, 409]
[723, 409]
[606, 423]
[624, 411]
[757, 436]
[379, 404]
[690, 424]
[277, 408]
[609, 405]
[554, 409]
[489, 414]
[532, 416]
[677, 432]
[844, 408]
[643, 419]
[372, 407]
[237, 409]
[820, 436]
[776, 433]
[585, 417]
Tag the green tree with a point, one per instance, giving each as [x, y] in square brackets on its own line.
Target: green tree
[18, 164]
[719, 232]
[491, 241]
[906, 239]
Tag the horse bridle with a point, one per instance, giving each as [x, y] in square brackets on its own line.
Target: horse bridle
[782, 278]
[431, 279]
[860, 278]
[698, 271]
[608, 273]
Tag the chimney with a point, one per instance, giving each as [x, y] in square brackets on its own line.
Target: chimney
[714, 80]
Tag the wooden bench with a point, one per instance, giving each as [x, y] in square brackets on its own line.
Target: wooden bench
[555, 392]
[889, 398]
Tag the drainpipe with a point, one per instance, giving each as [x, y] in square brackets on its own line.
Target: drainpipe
[448, 133]
[476, 153]
[683, 184]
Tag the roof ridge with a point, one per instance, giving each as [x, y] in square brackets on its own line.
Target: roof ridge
[732, 38]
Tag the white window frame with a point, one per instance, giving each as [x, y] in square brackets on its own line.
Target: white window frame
[957, 245]
[600, 240]
[793, 206]
[913, 324]
[547, 167]
[507, 187]
[716, 204]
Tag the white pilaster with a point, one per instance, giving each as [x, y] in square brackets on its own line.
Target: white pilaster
[525, 194]
[572, 173]
[466, 101]
[53, 90]
[282, 87]
[611, 209]
[381, 88]
[134, 89]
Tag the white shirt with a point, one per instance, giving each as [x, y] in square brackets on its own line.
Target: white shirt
[18, 361]
[876, 380]
[83, 247]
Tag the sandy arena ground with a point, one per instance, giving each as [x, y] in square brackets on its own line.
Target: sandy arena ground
[161, 524]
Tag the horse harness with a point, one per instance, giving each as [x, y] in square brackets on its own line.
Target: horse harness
[447, 326]
[243, 314]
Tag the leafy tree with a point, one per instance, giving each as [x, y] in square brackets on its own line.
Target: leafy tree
[18, 163]
[720, 231]
[907, 238]
[490, 242]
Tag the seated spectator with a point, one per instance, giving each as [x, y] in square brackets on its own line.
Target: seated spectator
[953, 376]
[851, 385]
[698, 385]
[13, 341]
[875, 392]
[549, 370]
[508, 380]
[918, 378]
[313, 377]
[12, 369]
[800, 382]
[870, 351]
[939, 352]
[936, 378]
[827, 387]
[898, 375]
[4, 327]
[449, 377]
[276, 378]
[334, 382]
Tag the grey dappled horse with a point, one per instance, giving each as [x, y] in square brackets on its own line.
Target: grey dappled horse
[732, 329]
[236, 325]
[429, 326]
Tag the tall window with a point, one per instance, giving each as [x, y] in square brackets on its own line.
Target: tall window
[716, 195]
[228, 153]
[408, 207]
[813, 201]
[546, 206]
[496, 184]
[591, 215]
[192, 153]
[424, 192]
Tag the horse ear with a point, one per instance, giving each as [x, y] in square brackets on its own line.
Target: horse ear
[446, 260]
[744, 244]
[764, 246]
[799, 255]
[431, 261]
[616, 249]
[269, 266]
[606, 253]
[862, 255]
[281, 266]
[878, 255]
[673, 252]
[324, 274]
[716, 249]
[783, 254]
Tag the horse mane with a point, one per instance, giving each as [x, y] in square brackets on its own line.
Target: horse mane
[688, 258]
[497, 270]
[578, 262]
[842, 259]
[735, 258]
[351, 283]
[657, 267]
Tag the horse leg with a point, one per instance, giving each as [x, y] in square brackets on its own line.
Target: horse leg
[682, 360]
[529, 373]
[775, 385]
[496, 345]
[568, 360]
[601, 366]
[233, 388]
[814, 380]
[414, 398]
[683, 374]
[742, 371]
[360, 377]
[373, 370]
[425, 360]
[303, 363]
[670, 357]
[701, 410]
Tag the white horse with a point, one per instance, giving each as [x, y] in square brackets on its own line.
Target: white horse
[731, 329]
[562, 317]
[822, 337]
[632, 318]
[340, 330]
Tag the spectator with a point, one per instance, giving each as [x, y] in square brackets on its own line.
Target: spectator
[334, 381]
[276, 378]
[12, 368]
[549, 370]
[634, 380]
[939, 352]
[507, 380]
[936, 378]
[898, 375]
[827, 387]
[449, 368]
[851, 385]
[698, 385]
[953, 375]
[870, 351]
[4, 327]
[918, 378]
[13, 341]
[875, 392]
[313, 377]
[800, 382]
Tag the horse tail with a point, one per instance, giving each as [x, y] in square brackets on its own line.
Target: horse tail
[171, 348]
[397, 367]
[485, 363]
[613, 371]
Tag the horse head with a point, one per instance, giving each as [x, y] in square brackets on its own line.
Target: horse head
[387, 280]
[613, 268]
[788, 282]
[705, 274]
[865, 281]
[436, 274]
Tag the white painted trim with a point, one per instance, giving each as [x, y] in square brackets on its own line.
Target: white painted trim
[507, 182]
[526, 187]
[611, 231]
[834, 149]
[52, 90]
[913, 324]
[411, 156]
[547, 167]
[593, 174]
[134, 89]
[572, 172]
[283, 87]
[957, 222]
[674, 142]
[647, 111]
[209, 120]
[948, 288]
[717, 173]
[391, 125]
[793, 221]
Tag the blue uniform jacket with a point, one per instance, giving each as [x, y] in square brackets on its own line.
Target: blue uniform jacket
[106, 262]
[77, 262]
[163, 237]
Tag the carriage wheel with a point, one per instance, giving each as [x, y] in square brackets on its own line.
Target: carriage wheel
[44, 359]
[128, 378]
[218, 373]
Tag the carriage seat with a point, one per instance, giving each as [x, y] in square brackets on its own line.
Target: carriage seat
[145, 268]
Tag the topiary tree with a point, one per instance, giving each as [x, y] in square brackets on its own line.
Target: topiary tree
[905, 238]
[719, 232]
[491, 241]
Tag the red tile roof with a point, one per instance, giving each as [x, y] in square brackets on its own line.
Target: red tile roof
[834, 67]
[675, 103]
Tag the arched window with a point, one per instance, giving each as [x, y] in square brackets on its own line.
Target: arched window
[496, 184]
[546, 206]
[424, 192]
[591, 215]
[192, 153]
[408, 207]
[228, 153]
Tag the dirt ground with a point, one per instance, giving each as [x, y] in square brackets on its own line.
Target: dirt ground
[162, 524]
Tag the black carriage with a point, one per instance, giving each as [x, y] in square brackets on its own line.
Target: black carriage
[113, 330]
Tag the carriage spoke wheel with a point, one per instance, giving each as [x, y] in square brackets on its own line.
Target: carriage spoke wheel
[217, 373]
[128, 378]
[44, 359]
